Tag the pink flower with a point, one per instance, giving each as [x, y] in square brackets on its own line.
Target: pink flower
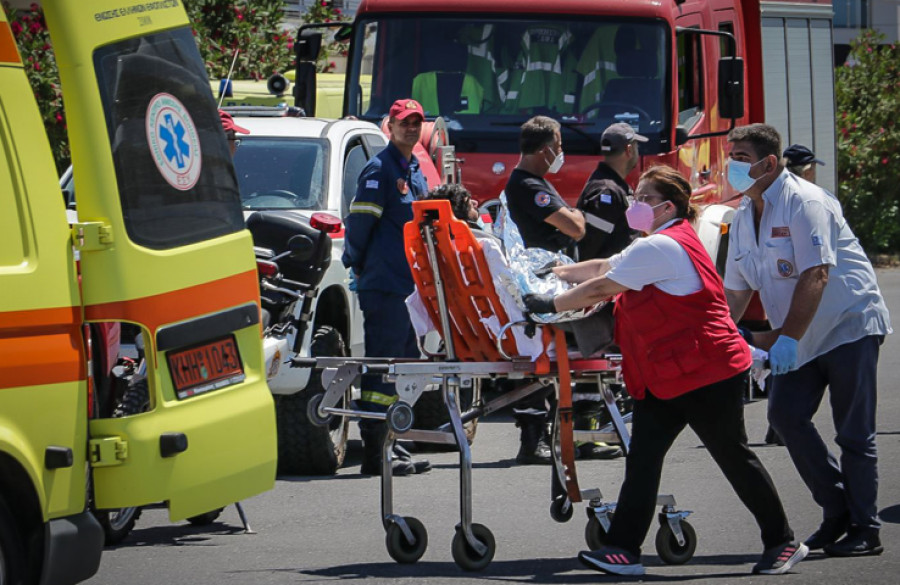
[240, 16]
[37, 66]
[59, 117]
[884, 161]
[869, 49]
[337, 10]
[331, 64]
[16, 28]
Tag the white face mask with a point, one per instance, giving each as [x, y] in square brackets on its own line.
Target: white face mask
[557, 163]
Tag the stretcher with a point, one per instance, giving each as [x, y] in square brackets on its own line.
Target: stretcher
[455, 284]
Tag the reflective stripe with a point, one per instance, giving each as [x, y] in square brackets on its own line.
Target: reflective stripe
[599, 223]
[371, 208]
[8, 51]
[377, 398]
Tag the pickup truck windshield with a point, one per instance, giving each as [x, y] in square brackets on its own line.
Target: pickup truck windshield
[486, 76]
[282, 173]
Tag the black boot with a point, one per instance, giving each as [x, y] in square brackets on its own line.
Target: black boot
[534, 448]
[373, 440]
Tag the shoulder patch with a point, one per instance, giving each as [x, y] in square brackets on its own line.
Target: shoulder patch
[372, 184]
[542, 199]
[817, 241]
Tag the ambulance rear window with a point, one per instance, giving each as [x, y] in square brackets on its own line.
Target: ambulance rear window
[173, 167]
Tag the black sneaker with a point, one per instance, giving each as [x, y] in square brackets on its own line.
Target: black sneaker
[859, 542]
[829, 532]
[597, 451]
[610, 559]
[779, 559]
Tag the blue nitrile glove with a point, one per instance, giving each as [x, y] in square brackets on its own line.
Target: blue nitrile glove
[352, 284]
[783, 355]
[539, 303]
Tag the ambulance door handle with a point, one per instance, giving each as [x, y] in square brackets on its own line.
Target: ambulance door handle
[171, 444]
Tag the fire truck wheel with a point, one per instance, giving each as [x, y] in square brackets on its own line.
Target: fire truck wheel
[118, 524]
[207, 518]
[430, 413]
[304, 448]
[11, 552]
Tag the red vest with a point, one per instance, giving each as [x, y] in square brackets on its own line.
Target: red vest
[672, 345]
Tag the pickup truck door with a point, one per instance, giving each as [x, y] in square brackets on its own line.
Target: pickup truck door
[162, 245]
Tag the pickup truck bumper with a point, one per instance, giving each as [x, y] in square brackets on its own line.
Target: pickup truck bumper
[72, 548]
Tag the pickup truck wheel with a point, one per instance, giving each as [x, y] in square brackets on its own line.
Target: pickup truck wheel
[430, 412]
[12, 570]
[304, 448]
[118, 524]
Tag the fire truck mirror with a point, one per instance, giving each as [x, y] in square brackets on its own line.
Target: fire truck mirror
[307, 46]
[731, 87]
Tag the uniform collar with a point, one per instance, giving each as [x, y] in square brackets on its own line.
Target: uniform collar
[412, 164]
[773, 193]
[604, 171]
[667, 225]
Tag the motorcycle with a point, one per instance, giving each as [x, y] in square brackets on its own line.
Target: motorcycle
[293, 252]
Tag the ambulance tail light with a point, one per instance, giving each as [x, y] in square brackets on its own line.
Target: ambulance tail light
[325, 222]
[266, 269]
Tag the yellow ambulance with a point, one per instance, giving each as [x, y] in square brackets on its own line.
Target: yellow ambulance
[159, 244]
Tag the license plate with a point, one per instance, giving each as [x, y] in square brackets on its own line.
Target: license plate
[206, 367]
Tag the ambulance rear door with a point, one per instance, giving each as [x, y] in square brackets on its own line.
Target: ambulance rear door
[162, 245]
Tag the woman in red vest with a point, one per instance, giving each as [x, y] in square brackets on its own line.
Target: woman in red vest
[684, 363]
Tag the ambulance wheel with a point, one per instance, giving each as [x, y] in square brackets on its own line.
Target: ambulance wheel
[431, 412]
[594, 535]
[303, 447]
[399, 548]
[667, 546]
[118, 523]
[12, 553]
[465, 556]
[205, 519]
[561, 509]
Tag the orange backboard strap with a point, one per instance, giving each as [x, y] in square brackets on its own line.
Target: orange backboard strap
[8, 51]
[566, 418]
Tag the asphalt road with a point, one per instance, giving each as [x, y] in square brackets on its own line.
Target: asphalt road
[328, 529]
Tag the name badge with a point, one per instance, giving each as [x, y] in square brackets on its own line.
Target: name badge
[781, 232]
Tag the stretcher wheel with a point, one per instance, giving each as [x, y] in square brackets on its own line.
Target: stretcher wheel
[400, 417]
[667, 546]
[594, 534]
[312, 411]
[465, 556]
[399, 548]
[561, 509]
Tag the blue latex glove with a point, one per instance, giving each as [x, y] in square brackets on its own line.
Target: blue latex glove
[352, 284]
[783, 355]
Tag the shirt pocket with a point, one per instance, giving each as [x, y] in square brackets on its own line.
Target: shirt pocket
[779, 258]
[748, 267]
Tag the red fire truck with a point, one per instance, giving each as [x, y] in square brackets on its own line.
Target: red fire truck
[682, 72]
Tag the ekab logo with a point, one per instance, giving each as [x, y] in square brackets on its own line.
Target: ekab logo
[173, 141]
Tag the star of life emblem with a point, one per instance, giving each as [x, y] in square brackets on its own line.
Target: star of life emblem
[174, 144]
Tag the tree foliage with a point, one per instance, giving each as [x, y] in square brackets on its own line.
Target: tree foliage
[220, 27]
[868, 103]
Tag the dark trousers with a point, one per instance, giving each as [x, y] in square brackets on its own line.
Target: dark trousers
[850, 370]
[716, 414]
[388, 333]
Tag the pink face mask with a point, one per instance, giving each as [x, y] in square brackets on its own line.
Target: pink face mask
[640, 216]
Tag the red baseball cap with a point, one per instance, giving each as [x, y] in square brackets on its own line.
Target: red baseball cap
[228, 123]
[405, 108]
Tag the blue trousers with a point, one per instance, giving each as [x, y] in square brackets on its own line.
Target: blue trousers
[849, 371]
[388, 333]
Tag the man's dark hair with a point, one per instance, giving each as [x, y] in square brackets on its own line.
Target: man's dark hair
[764, 139]
[458, 196]
[537, 133]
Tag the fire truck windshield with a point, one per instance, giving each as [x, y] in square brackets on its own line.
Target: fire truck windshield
[486, 76]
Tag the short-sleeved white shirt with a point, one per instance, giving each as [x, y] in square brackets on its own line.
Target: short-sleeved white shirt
[802, 226]
[656, 260]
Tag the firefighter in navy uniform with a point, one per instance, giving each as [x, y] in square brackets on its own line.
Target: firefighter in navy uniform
[374, 253]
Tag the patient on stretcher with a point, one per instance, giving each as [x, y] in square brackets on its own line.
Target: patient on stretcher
[512, 272]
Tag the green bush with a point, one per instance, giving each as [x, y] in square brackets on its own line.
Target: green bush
[868, 102]
[324, 11]
[220, 26]
[251, 26]
[30, 31]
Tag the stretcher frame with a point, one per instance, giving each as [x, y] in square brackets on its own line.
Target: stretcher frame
[443, 253]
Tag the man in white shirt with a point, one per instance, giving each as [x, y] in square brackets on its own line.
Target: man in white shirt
[790, 241]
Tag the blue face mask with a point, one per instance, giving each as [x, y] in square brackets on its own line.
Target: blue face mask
[739, 175]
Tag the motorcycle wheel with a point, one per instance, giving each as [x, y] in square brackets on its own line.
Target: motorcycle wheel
[303, 447]
[118, 524]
